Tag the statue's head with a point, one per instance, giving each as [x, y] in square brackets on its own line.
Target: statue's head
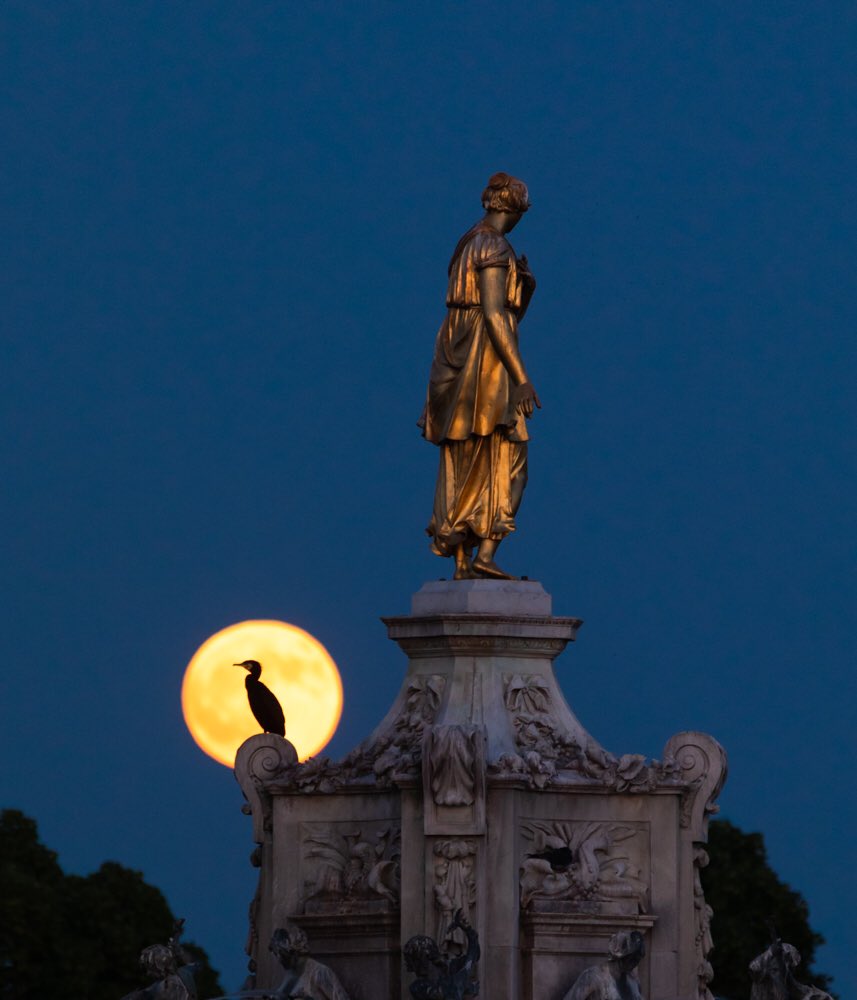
[158, 961]
[506, 193]
[421, 955]
[790, 956]
[289, 943]
[627, 949]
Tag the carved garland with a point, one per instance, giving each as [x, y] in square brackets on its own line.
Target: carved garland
[396, 751]
[544, 749]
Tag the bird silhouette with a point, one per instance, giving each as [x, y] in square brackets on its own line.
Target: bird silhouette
[263, 702]
[559, 858]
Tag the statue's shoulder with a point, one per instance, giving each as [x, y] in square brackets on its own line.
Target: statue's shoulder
[322, 978]
[594, 982]
[488, 248]
[481, 246]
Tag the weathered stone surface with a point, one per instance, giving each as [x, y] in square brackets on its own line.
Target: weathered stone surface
[481, 791]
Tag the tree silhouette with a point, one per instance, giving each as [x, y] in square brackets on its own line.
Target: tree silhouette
[745, 893]
[75, 936]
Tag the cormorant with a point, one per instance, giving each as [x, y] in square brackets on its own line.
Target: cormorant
[263, 702]
[559, 858]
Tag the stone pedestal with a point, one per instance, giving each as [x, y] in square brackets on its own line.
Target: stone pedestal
[481, 790]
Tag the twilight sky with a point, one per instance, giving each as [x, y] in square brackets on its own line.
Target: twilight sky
[225, 236]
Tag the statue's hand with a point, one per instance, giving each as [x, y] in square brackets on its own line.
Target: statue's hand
[526, 399]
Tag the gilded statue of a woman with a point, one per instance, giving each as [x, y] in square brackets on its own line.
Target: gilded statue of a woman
[479, 394]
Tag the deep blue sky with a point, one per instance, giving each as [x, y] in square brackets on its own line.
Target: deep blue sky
[225, 234]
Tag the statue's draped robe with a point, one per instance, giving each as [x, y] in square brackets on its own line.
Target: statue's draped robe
[314, 980]
[469, 409]
[597, 983]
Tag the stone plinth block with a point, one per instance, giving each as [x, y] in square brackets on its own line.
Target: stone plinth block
[479, 597]
[480, 790]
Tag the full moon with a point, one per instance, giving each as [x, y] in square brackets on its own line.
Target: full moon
[295, 666]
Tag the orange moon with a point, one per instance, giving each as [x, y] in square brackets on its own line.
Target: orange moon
[295, 666]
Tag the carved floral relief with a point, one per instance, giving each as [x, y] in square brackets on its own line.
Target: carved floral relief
[349, 868]
[544, 748]
[594, 863]
[397, 750]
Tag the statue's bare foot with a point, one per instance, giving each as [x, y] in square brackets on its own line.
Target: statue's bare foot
[488, 567]
[463, 569]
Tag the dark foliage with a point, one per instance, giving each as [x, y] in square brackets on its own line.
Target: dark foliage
[745, 892]
[72, 936]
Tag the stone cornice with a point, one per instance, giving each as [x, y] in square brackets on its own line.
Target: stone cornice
[526, 636]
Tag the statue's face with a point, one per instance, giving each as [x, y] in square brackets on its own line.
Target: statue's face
[288, 956]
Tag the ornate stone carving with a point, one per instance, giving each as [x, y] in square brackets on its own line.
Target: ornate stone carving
[545, 749]
[252, 943]
[452, 757]
[396, 750]
[702, 914]
[258, 760]
[584, 864]
[454, 890]
[700, 765]
[527, 694]
[350, 869]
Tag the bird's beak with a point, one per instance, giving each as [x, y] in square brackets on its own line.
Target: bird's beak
[241, 665]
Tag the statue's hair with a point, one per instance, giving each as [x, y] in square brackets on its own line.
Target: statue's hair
[624, 943]
[420, 946]
[157, 960]
[289, 937]
[505, 193]
[791, 956]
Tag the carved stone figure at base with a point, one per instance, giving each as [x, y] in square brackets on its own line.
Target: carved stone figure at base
[305, 978]
[616, 979]
[440, 977]
[167, 966]
[773, 976]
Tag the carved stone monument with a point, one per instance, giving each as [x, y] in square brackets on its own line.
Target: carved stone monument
[480, 802]
[480, 792]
